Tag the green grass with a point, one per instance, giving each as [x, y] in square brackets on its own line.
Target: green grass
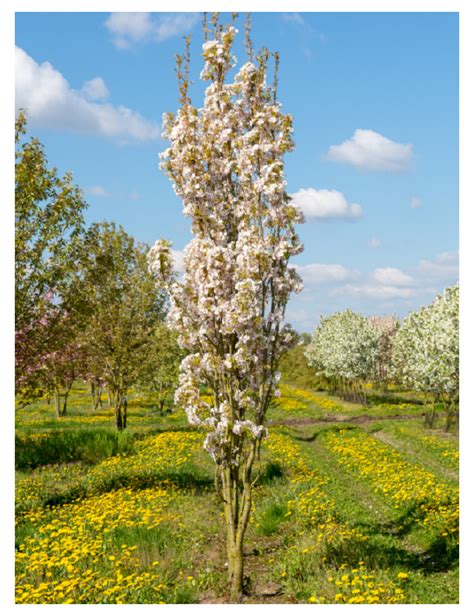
[179, 557]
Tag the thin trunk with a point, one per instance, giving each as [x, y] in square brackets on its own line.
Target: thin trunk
[57, 402]
[237, 507]
[118, 411]
[450, 415]
[98, 398]
[93, 396]
[63, 412]
[430, 416]
[124, 414]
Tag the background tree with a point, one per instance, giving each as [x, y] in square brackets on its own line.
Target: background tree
[295, 369]
[117, 294]
[344, 349]
[426, 353]
[48, 222]
[226, 163]
[160, 367]
[386, 327]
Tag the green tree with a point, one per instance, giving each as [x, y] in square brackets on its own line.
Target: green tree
[160, 368]
[122, 306]
[48, 223]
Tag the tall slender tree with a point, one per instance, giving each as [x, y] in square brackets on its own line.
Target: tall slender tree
[226, 163]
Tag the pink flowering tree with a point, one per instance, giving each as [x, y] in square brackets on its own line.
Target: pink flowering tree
[225, 161]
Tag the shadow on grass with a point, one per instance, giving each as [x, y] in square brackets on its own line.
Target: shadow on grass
[382, 549]
[334, 427]
[190, 479]
[374, 399]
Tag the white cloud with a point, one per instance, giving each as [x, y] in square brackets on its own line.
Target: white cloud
[175, 25]
[392, 276]
[51, 103]
[319, 273]
[130, 28]
[95, 89]
[416, 202]
[444, 268]
[98, 191]
[134, 195]
[369, 150]
[325, 204]
[374, 291]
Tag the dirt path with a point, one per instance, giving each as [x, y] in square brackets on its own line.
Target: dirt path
[357, 419]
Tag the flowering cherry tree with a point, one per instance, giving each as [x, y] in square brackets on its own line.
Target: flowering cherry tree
[226, 163]
[344, 349]
[426, 352]
[386, 328]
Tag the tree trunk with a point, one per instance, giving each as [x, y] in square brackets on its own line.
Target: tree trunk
[235, 555]
[93, 396]
[63, 412]
[57, 402]
[118, 411]
[235, 551]
[124, 414]
[99, 397]
[237, 494]
[430, 417]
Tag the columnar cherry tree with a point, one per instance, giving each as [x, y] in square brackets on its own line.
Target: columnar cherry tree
[344, 348]
[426, 352]
[226, 163]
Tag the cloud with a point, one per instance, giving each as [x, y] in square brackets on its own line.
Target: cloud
[382, 284]
[392, 276]
[375, 291]
[374, 242]
[131, 28]
[175, 25]
[415, 202]
[95, 89]
[325, 204]
[134, 195]
[320, 273]
[371, 151]
[444, 268]
[51, 103]
[98, 191]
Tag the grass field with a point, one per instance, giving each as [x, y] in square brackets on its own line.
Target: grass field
[354, 505]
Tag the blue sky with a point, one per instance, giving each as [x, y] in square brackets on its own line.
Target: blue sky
[374, 98]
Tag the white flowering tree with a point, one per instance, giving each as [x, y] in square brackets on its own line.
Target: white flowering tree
[226, 163]
[344, 349]
[386, 328]
[426, 353]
